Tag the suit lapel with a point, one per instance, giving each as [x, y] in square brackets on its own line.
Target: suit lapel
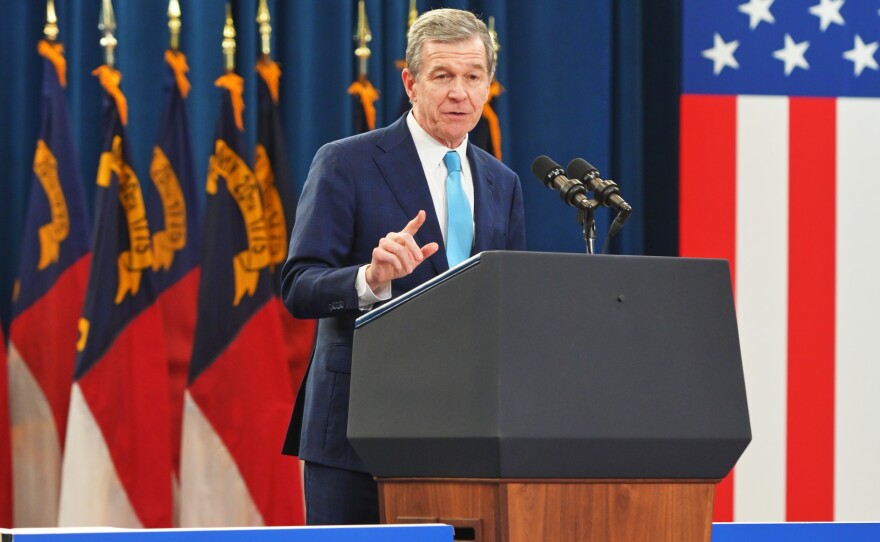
[484, 196]
[402, 170]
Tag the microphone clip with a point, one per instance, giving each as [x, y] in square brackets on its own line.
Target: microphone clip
[569, 191]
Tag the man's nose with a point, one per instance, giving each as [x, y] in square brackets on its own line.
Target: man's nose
[458, 91]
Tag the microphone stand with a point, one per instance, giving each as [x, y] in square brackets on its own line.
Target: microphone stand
[586, 218]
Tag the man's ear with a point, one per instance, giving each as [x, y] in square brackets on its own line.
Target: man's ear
[408, 83]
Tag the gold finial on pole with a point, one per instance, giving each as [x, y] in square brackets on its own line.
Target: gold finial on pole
[495, 45]
[174, 24]
[413, 14]
[51, 28]
[264, 20]
[411, 20]
[107, 25]
[362, 37]
[229, 40]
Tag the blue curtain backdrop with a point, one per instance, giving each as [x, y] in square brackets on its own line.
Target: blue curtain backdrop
[596, 79]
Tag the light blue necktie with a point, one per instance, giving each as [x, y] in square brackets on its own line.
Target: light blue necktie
[459, 222]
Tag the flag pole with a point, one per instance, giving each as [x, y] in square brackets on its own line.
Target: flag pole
[413, 15]
[364, 92]
[495, 89]
[363, 38]
[264, 20]
[229, 40]
[174, 24]
[51, 28]
[495, 45]
[107, 25]
[410, 20]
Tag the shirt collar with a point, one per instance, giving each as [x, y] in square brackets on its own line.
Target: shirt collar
[431, 151]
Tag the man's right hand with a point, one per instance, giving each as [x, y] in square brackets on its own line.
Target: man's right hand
[398, 254]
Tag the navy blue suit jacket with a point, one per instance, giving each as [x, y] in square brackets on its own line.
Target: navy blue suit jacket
[358, 190]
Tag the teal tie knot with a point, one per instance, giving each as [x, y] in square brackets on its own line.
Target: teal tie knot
[452, 161]
[460, 229]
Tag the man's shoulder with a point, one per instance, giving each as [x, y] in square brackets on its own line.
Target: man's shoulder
[363, 141]
[367, 141]
[490, 163]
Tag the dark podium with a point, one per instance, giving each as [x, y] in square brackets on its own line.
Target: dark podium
[550, 397]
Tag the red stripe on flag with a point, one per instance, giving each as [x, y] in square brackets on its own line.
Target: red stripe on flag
[179, 307]
[707, 205]
[708, 177]
[5, 442]
[126, 392]
[811, 314]
[46, 333]
[245, 395]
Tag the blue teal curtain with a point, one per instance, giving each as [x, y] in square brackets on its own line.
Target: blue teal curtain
[584, 78]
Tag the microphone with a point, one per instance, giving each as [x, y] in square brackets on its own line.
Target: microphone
[553, 176]
[606, 193]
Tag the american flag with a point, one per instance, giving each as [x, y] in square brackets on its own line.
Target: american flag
[780, 134]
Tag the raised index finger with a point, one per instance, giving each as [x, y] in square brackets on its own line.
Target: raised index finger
[413, 225]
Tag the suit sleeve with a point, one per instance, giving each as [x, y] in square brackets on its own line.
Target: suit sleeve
[318, 278]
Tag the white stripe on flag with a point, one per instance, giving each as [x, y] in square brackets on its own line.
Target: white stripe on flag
[91, 493]
[212, 491]
[857, 398]
[36, 453]
[761, 300]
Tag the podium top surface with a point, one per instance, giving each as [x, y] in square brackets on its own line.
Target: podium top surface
[475, 260]
[418, 290]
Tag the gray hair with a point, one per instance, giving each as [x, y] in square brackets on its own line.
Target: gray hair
[447, 26]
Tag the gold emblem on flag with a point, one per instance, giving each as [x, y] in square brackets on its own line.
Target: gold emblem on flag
[83, 327]
[245, 190]
[51, 235]
[272, 207]
[132, 262]
[173, 237]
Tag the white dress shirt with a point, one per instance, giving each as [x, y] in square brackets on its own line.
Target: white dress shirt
[431, 153]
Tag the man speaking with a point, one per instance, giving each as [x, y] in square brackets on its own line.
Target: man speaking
[441, 198]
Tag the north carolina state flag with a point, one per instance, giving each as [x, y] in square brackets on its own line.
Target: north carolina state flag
[239, 394]
[363, 97]
[48, 298]
[279, 204]
[173, 212]
[117, 459]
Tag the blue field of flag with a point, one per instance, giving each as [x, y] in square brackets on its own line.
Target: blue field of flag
[792, 48]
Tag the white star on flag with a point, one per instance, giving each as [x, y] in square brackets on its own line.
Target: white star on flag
[758, 12]
[862, 55]
[793, 54]
[721, 54]
[828, 12]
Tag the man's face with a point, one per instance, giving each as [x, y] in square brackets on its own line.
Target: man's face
[452, 87]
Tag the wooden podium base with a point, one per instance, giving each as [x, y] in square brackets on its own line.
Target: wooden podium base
[540, 510]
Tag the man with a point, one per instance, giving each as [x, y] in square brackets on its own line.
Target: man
[442, 198]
